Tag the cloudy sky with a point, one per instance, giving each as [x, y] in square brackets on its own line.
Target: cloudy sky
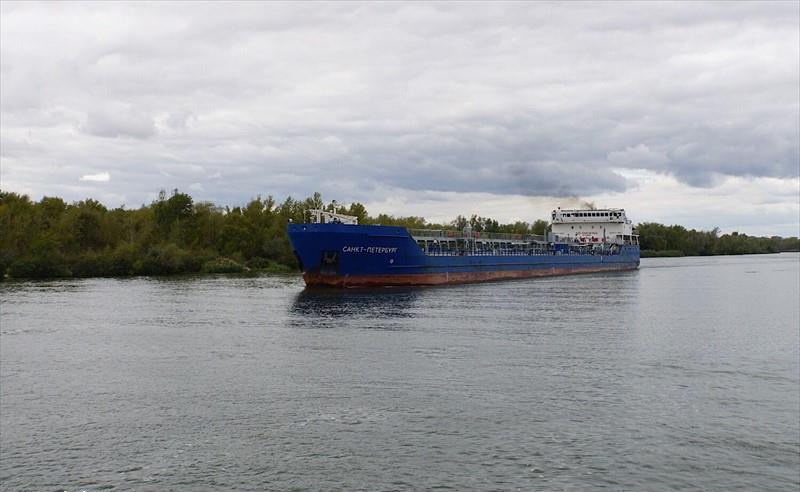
[680, 112]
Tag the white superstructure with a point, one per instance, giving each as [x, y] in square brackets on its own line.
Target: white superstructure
[606, 225]
[325, 217]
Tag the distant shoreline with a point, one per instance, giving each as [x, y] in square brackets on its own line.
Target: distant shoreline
[174, 235]
[649, 253]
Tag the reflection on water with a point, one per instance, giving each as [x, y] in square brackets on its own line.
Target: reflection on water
[312, 305]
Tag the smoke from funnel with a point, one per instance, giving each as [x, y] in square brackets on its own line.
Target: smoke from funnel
[575, 202]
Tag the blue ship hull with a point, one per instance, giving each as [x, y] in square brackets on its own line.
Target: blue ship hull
[345, 255]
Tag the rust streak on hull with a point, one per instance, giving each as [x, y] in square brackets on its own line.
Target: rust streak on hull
[316, 279]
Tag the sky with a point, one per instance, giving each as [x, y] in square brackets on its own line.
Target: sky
[681, 113]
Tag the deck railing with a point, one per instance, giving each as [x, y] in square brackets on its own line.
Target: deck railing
[492, 236]
[517, 252]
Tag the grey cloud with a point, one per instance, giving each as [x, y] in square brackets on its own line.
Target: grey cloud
[553, 99]
[179, 118]
[638, 156]
[119, 120]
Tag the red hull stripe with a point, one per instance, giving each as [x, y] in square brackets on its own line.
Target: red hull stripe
[315, 279]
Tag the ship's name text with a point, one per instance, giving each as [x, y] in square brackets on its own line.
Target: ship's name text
[368, 249]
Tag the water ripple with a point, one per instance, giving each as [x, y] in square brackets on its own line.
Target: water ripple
[679, 376]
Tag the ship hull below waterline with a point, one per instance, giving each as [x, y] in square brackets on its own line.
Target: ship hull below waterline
[449, 278]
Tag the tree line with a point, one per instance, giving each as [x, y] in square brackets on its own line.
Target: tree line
[661, 240]
[174, 234]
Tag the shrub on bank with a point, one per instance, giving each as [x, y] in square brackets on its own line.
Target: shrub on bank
[37, 267]
[5, 262]
[223, 265]
[258, 263]
[90, 264]
[275, 267]
[165, 260]
[120, 261]
[264, 265]
[42, 260]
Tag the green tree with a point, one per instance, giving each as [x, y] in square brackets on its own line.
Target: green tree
[539, 227]
[177, 207]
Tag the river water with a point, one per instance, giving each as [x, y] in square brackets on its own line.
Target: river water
[682, 375]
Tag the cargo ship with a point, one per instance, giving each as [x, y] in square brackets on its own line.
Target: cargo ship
[335, 250]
